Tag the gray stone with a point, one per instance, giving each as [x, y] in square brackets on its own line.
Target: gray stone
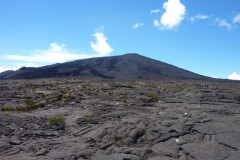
[41, 152]
[119, 156]
[206, 150]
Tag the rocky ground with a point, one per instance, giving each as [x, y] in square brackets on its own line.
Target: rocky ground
[109, 120]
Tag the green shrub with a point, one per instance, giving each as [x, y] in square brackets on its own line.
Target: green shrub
[7, 109]
[84, 87]
[14, 94]
[145, 138]
[104, 90]
[63, 91]
[153, 97]
[31, 107]
[67, 97]
[124, 100]
[57, 123]
[57, 120]
[179, 90]
[6, 114]
[28, 101]
[89, 117]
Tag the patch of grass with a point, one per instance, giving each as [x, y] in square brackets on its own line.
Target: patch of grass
[125, 101]
[25, 108]
[89, 117]
[104, 90]
[198, 85]
[145, 138]
[130, 87]
[14, 94]
[63, 91]
[179, 90]
[29, 102]
[6, 114]
[89, 93]
[19, 88]
[67, 96]
[84, 87]
[153, 97]
[58, 104]
[57, 120]
[31, 107]
[7, 109]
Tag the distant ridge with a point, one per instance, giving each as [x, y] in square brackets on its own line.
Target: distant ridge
[129, 66]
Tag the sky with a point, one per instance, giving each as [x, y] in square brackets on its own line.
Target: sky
[199, 36]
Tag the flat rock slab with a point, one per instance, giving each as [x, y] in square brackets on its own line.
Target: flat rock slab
[120, 156]
[234, 156]
[206, 150]
[168, 148]
[230, 139]
[161, 158]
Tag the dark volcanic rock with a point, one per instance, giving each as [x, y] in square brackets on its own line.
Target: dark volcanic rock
[125, 67]
[125, 120]
[5, 73]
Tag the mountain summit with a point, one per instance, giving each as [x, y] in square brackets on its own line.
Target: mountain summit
[130, 66]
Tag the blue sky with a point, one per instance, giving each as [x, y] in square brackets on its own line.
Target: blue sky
[200, 36]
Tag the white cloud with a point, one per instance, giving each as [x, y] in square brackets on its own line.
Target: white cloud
[155, 11]
[20, 65]
[234, 76]
[2, 69]
[236, 19]
[59, 53]
[101, 47]
[27, 64]
[223, 23]
[198, 17]
[54, 54]
[173, 15]
[100, 29]
[214, 77]
[156, 23]
[137, 25]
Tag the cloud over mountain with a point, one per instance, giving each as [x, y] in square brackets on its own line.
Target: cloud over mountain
[2, 69]
[57, 53]
[173, 15]
[234, 76]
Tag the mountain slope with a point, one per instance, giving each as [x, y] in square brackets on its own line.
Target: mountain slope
[126, 67]
[5, 73]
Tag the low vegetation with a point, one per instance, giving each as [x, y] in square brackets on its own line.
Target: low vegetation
[125, 101]
[57, 123]
[6, 114]
[89, 117]
[25, 108]
[7, 109]
[153, 97]
[57, 120]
